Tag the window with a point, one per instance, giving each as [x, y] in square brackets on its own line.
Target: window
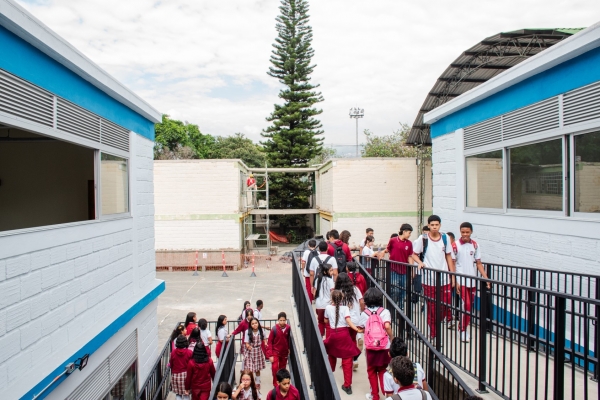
[484, 180]
[587, 173]
[536, 176]
[125, 388]
[44, 181]
[114, 184]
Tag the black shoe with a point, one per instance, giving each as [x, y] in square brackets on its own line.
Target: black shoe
[348, 389]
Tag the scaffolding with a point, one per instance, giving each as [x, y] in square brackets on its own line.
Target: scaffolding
[256, 222]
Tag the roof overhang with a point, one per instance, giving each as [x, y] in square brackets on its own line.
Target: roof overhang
[20, 22]
[565, 50]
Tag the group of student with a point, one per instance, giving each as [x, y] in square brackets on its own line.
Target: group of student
[193, 369]
[351, 317]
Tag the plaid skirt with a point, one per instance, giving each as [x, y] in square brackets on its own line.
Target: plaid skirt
[178, 382]
[254, 359]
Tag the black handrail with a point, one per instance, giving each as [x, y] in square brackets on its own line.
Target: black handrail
[443, 381]
[225, 368]
[533, 319]
[158, 382]
[296, 370]
[322, 380]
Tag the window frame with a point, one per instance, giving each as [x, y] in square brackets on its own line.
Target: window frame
[567, 136]
[99, 214]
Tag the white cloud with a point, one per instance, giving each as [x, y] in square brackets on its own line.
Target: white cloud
[206, 61]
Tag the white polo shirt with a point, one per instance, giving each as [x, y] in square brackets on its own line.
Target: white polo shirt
[466, 256]
[305, 256]
[435, 257]
[330, 315]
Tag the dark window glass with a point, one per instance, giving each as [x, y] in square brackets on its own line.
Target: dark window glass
[587, 173]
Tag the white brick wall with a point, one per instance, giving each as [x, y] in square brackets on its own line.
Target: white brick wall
[560, 243]
[198, 235]
[60, 285]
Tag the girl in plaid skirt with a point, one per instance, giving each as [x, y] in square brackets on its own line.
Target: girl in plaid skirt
[179, 361]
[254, 355]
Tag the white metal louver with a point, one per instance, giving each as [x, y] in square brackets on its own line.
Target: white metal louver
[483, 133]
[122, 357]
[582, 104]
[77, 121]
[114, 135]
[24, 100]
[95, 386]
[535, 118]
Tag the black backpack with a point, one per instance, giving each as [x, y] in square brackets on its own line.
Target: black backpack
[340, 257]
[320, 268]
[313, 253]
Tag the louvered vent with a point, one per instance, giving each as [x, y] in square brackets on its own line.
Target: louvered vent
[538, 117]
[78, 121]
[582, 104]
[95, 386]
[115, 136]
[24, 100]
[122, 357]
[483, 133]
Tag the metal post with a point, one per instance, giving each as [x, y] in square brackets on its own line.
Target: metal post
[560, 319]
[483, 315]
[596, 335]
[224, 274]
[252, 275]
[356, 137]
[388, 278]
[196, 269]
[531, 306]
[438, 311]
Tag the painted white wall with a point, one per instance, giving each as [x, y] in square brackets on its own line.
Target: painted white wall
[198, 235]
[61, 285]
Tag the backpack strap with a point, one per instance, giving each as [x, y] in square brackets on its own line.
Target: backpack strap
[274, 394]
[474, 244]
[327, 259]
[368, 312]
[425, 244]
[423, 395]
[379, 310]
[445, 240]
[396, 397]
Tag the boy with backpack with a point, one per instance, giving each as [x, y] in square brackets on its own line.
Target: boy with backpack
[468, 255]
[339, 250]
[404, 375]
[284, 390]
[377, 338]
[434, 251]
[306, 263]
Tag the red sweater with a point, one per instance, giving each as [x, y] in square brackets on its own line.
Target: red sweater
[361, 283]
[190, 328]
[180, 359]
[292, 394]
[242, 327]
[279, 343]
[345, 248]
[199, 376]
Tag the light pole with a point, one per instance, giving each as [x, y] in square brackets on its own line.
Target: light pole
[357, 113]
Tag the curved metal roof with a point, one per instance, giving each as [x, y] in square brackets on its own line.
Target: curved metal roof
[490, 57]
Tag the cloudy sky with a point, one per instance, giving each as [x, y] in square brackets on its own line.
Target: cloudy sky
[206, 61]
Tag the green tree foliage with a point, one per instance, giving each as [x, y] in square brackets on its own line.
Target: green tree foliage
[393, 145]
[239, 146]
[176, 139]
[326, 155]
[292, 139]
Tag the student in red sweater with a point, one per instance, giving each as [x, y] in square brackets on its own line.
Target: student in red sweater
[243, 326]
[334, 241]
[190, 323]
[284, 390]
[200, 373]
[278, 345]
[180, 358]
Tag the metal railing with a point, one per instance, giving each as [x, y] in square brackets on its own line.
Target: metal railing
[225, 367]
[443, 381]
[158, 383]
[322, 380]
[526, 342]
[296, 370]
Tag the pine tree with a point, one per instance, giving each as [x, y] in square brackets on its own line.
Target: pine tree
[292, 137]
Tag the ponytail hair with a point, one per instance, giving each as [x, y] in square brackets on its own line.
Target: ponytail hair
[336, 300]
[326, 269]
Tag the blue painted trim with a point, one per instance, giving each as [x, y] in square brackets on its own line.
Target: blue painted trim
[95, 343]
[29, 63]
[577, 72]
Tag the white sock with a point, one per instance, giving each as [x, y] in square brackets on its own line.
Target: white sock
[257, 379]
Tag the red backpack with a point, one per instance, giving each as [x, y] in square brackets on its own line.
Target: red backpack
[376, 338]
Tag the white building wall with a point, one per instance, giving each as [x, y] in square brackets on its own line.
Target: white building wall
[565, 243]
[383, 227]
[62, 285]
[198, 204]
